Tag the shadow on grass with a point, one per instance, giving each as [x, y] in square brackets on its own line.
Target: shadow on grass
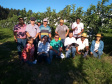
[107, 44]
[65, 71]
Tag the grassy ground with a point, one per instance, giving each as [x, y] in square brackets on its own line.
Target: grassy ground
[67, 71]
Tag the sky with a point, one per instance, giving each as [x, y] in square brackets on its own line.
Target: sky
[41, 5]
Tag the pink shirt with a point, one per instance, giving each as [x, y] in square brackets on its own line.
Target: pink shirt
[21, 31]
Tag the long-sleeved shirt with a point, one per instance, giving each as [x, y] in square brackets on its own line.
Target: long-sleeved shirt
[101, 46]
[43, 47]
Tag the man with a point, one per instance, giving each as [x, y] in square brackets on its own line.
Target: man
[20, 35]
[77, 28]
[61, 30]
[55, 47]
[69, 41]
[45, 29]
[32, 30]
[39, 24]
[83, 43]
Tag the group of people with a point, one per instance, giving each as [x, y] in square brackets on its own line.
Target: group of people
[35, 43]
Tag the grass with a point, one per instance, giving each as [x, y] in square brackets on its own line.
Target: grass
[66, 71]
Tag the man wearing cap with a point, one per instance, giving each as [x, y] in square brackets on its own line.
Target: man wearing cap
[32, 30]
[45, 29]
[20, 35]
[77, 28]
[83, 43]
[62, 30]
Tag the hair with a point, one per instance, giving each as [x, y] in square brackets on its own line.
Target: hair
[45, 36]
[70, 31]
[20, 17]
[56, 35]
[77, 18]
[29, 38]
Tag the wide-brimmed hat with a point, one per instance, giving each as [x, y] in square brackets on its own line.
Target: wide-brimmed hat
[61, 21]
[84, 35]
[98, 35]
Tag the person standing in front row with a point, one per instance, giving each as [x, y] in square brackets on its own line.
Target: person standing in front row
[77, 28]
[62, 30]
[45, 29]
[20, 35]
[32, 30]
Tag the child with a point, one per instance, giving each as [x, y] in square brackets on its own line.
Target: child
[28, 52]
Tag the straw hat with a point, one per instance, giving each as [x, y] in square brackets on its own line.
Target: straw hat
[84, 35]
[98, 35]
[61, 21]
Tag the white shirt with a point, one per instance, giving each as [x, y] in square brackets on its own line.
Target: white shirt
[82, 45]
[96, 46]
[69, 41]
[79, 26]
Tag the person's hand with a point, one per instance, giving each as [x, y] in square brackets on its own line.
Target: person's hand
[96, 50]
[75, 28]
[43, 52]
[47, 55]
[91, 53]
[15, 40]
[78, 52]
[65, 35]
[79, 33]
[40, 53]
[67, 49]
[60, 49]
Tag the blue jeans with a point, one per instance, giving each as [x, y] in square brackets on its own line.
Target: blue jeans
[43, 57]
[20, 43]
[72, 50]
[96, 54]
[63, 40]
[52, 53]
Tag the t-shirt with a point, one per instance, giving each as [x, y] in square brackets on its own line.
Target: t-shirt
[79, 26]
[31, 52]
[56, 45]
[21, 33]
[32, 30]
[82, 45]
[69, 41]
[45, 30]
[96, 46]
[61, 30]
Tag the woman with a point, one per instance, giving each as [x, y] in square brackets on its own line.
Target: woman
[43, 49]
[97, 46]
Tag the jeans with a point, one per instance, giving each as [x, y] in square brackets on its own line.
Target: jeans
[63, 40]
[96, 54]
[43, 57]
[20, 43]
[72, 50]
[52, 53]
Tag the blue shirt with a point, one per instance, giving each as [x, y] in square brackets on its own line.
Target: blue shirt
[45, 30]
[101, 46]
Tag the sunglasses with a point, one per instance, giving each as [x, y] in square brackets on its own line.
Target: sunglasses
[57, 37]
[20, 19]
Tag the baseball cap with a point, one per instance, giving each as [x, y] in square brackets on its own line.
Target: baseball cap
[32, 19]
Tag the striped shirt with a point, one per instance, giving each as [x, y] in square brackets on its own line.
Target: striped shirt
[45, 30]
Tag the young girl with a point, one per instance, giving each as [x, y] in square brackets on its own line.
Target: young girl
[28, 52]
[97, 46]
